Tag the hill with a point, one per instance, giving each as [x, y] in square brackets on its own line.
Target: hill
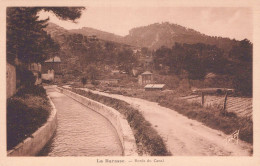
[83, 54]
[156, 35]
[186, 52]
[99, 34]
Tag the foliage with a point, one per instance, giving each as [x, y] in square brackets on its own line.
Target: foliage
[26, 77]
[33, 90]
[125, 60]
[89, 53]
[26, 39]
[196, 59]
[83, 80]
[242, 82]
[26, 112]
[243, 51]
[92, 72]
[242, 67]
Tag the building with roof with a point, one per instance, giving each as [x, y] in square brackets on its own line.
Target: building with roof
[145, 78]
[151, 87]
[51, 66]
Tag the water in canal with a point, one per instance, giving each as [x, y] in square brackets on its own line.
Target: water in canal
[80, 131]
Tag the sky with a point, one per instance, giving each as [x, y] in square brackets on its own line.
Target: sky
[232, 22]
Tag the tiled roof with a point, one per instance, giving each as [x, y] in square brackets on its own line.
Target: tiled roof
[154, 86]
[147, 72]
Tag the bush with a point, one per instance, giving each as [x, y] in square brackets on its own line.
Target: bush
[93, 82]
[33, 90]
[84, 80]
[243, 83]
[26, 112]
[25, 76]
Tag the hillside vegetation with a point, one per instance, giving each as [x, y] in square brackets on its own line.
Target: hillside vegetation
[167, 49]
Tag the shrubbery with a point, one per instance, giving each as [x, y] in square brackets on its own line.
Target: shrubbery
[26, 77]
[33, 90]
[26, 112]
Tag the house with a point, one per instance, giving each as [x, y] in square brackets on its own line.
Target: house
[51, 67]
[52, 64]
[151, 87]
[145, 78]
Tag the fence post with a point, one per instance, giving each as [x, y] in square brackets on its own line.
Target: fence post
[225, 103]
[202, 99]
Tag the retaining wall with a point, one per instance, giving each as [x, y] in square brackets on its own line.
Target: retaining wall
[31, 146]
[117, 120]
[10, 80]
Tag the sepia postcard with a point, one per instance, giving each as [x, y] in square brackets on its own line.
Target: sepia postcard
[130, 82]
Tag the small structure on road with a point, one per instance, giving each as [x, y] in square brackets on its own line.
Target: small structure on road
[151, 87]
[145, 78]
[50, 68]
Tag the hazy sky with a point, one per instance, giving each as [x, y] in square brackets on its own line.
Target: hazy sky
[226, 22]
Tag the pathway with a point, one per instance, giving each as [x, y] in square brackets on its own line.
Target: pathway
[183, 136]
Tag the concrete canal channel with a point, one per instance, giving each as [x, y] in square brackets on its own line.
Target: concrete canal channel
[80, 131]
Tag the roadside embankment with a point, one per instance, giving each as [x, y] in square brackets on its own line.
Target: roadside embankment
[147, 139]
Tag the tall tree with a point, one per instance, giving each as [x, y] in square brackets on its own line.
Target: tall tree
[26, 38]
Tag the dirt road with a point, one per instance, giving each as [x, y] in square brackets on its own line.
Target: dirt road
[183, 136]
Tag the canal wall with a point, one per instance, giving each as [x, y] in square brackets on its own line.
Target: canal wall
[31, 146]
[117, 120]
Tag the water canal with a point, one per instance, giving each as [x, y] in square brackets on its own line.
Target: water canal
[80, 131]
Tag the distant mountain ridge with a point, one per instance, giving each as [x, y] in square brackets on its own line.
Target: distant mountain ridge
[98, 33]
[152, 36]
[159, 34]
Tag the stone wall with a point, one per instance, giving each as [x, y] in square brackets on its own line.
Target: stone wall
[10, 80]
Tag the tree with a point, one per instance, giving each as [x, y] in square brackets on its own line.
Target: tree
[126, 60]
[92, 72]
[26, 38]
[243, 51]
[83, 81]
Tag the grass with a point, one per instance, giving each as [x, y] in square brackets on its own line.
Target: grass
[147, 138]
[26, 112]
[213, 117]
